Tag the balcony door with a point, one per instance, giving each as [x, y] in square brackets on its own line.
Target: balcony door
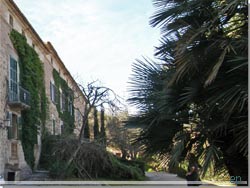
[13, 80]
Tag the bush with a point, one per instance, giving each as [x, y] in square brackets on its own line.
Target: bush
[58, 170]
[92, 161]
[55, 169]
[137, 163]
[125, 170]
[152, 163]
[47, 159]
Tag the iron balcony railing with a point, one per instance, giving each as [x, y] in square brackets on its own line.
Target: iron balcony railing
[21, 96]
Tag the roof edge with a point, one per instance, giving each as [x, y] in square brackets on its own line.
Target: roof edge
[13, 5]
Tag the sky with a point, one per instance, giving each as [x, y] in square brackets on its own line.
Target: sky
[96, 39]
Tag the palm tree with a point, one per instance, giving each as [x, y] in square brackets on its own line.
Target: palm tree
[205, 53]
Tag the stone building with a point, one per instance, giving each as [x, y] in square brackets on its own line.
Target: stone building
[14, 99]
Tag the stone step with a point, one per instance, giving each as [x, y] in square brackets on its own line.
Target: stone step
[39, 175]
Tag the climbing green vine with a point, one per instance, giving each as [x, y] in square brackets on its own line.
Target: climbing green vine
[66, 113]
[32, 79]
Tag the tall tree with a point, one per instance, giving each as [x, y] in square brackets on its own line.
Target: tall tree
[87, 131]
[103, 129]
[118, 135]
[96, 125]
[205, 54]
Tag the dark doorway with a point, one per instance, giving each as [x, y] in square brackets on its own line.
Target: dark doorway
[11, 176]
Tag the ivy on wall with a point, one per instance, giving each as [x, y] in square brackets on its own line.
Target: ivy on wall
[32, 79]
[66, 113]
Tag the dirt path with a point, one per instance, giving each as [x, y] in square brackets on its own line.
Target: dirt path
[165, 178]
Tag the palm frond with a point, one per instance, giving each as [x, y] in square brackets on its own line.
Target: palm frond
[240, 141]
[210, 155]
[181, 139]
[233, 99]
[214, 71]
[205, 69]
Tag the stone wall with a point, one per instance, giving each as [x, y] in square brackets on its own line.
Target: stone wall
[7, 164]
[50, 61]
[3, 149]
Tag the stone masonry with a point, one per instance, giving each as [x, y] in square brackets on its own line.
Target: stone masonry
[12, 162]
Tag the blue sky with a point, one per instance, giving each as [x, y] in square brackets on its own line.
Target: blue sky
[96, 39]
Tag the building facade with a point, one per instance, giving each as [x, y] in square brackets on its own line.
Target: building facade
[15, 99]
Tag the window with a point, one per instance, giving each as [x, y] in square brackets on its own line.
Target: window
[79, 118]
[51, 60]
[23, 33]
[11, 20]
[63, 101]
[13, 83]
[15, 127]
[52, 92]
[62, 127]
[70, 106]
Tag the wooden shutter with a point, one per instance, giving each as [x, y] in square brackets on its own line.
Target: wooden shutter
[14, 152]
[50, 84]
[52, 92]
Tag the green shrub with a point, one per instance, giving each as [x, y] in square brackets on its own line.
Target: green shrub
[91, 162]
[137, 163]
[125, 170]
[47, 158]
[58, 170]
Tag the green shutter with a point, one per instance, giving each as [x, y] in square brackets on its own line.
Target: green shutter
[13, 80]
[19, 127]
[51, 92]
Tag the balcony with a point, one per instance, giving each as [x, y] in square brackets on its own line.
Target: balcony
[19, 99]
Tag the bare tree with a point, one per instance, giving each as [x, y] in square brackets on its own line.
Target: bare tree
[95, 96]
